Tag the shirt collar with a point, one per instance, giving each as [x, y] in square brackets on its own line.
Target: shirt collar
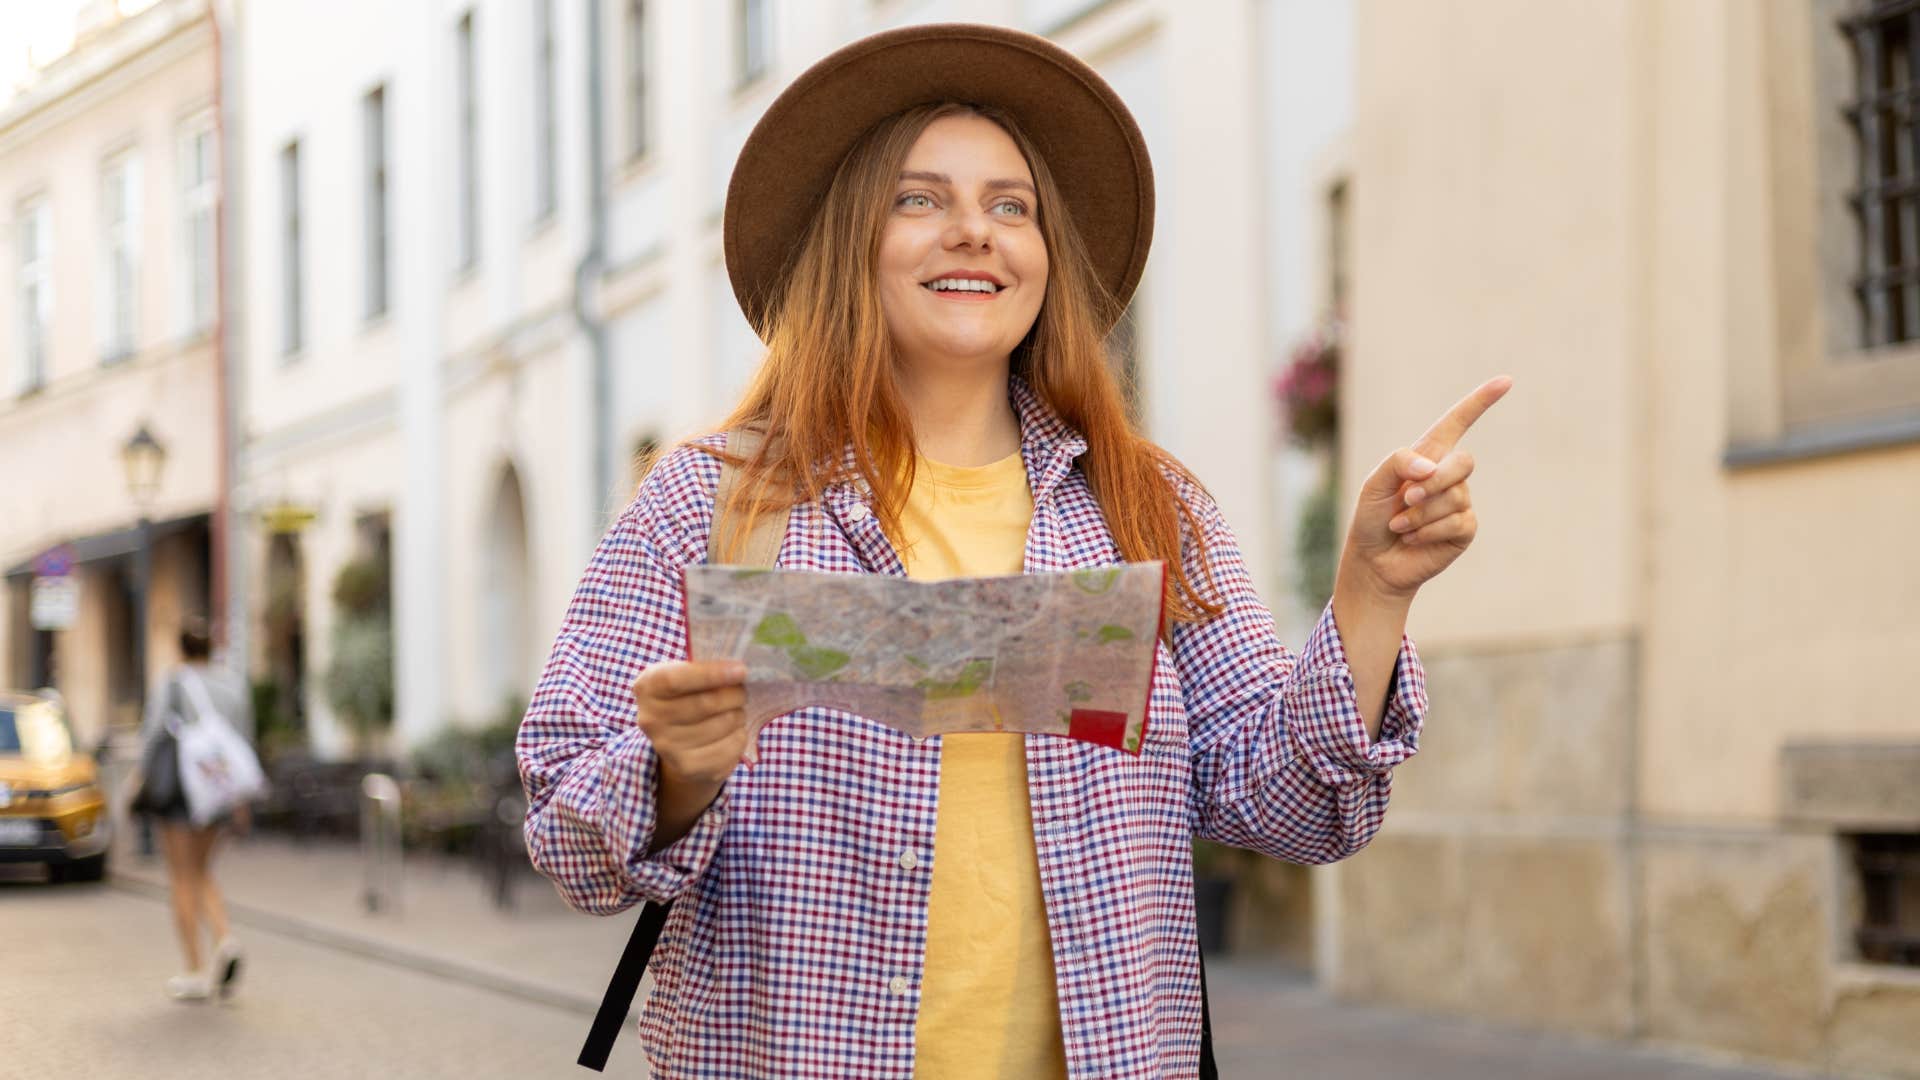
[1048, 444]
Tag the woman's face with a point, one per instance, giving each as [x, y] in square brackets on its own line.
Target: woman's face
[962, 265]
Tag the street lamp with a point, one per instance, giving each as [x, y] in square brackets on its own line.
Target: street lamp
[142, 457]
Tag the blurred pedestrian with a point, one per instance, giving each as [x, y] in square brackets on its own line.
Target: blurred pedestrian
[196, 692]
[934, 229]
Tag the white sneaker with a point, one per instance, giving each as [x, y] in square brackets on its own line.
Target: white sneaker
[226, 964]
[191, 986]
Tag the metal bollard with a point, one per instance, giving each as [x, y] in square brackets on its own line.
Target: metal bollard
[380, 840]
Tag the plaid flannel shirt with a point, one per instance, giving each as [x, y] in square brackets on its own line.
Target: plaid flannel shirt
[798, 935]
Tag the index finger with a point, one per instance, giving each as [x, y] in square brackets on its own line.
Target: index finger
[1446, 431]
[679, 677]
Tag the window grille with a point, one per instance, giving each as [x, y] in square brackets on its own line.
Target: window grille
[1889, 875]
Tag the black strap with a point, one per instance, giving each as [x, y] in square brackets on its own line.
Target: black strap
[624, 984]
[1208, 1070]
[646, 934]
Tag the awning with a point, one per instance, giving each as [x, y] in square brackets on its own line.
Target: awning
[118, 544]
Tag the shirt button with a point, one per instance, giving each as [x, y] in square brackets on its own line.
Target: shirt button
[859, 512]
[898, 985]
[908, 860]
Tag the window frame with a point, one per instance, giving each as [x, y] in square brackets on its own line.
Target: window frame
[635, 86]
[33, 290]
[546, 117]
[1800, 383]
[467, 150]
[292, 228]
[752, 41]
[376, 196]
[117, 321]
[199, 202]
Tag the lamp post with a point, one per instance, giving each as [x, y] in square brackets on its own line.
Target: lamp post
[142, 457]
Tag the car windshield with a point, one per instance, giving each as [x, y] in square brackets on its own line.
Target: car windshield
[33, 731]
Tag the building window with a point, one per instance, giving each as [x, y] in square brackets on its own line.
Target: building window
[292, 283]
[546, 124]
[120, 255]
[635, 38]
[1886, 199]
[468, 125]
[752, 38]
[374, 131]
[199, 230]
[1889, 914]
[33, 235]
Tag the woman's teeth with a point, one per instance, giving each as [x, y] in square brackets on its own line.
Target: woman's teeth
[962, 285]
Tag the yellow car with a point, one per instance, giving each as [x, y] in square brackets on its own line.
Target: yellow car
[52, 809]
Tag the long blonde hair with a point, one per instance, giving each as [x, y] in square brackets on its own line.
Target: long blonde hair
[828, 383]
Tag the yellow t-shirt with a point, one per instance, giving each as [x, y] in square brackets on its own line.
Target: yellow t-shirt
[987, 1004]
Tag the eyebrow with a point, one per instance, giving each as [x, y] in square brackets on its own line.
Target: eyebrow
[992, 185]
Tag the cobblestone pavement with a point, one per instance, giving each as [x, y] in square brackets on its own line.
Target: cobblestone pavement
[451, 986]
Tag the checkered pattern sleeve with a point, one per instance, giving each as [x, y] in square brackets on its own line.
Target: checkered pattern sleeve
[1281, 760]
[590, 773]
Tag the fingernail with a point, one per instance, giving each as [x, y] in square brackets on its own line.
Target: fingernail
[1416, 496]
[1421, 466]
[1398, 524]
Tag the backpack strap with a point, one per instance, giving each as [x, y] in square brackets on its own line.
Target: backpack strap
[764, 532]
[761, 548]
[196, 690]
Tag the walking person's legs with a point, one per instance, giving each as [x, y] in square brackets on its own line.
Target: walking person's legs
[183, 883]
[226, 952]
[212, 906]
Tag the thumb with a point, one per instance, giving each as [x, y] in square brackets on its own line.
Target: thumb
[1400, 468]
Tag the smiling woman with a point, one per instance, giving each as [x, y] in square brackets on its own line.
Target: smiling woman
[936, 401]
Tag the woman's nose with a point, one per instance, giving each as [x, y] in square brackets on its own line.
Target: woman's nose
[970, 228]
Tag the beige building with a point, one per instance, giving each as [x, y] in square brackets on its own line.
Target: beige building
[1670, 785]
[108, 309]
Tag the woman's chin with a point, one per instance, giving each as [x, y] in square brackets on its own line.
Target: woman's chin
[961, 355]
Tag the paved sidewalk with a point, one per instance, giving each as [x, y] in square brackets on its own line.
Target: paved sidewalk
[445, 924]
[1266, 1024]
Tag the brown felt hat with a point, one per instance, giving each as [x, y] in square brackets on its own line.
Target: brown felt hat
[1080, 126]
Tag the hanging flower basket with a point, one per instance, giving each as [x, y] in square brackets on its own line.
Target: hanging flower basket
[1307, 389]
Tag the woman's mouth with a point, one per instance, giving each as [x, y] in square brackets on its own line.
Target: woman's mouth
[965, 290]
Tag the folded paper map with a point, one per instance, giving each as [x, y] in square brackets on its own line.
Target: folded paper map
[1060, 654]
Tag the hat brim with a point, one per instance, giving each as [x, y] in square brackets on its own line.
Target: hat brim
[1081, 128]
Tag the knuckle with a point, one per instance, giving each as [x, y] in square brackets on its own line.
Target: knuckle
[1466, 461]
[662, 678]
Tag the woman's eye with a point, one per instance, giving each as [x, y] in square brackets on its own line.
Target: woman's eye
[1013, 205]
[914, 200]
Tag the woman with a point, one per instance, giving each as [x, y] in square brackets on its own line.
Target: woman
[938, 403]
[189, 692]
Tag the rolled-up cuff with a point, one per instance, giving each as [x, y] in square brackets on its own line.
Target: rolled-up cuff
[665, 874]
[1323, 714]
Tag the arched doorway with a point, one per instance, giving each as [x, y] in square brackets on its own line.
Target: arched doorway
[506, 601]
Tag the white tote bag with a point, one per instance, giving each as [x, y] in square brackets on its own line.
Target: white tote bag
[218, 770]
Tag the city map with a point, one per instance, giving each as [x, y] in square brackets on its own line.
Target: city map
[1067, 654]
